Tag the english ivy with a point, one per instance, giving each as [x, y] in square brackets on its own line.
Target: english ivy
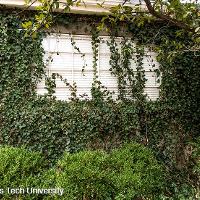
[50, 126]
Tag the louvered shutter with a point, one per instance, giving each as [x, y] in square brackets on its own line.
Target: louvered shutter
[62, 58]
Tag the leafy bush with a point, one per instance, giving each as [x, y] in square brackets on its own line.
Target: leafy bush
[127, 173]
[82, 175]
[19, 168]
[136, 172]
[196, 156]
[196, 169]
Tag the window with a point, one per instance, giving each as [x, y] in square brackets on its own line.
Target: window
[68, 62]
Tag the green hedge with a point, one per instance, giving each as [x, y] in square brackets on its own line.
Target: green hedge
[19, 168]
[127, 173]
[136, 172]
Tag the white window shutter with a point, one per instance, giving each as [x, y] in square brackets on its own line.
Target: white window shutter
[62, 58]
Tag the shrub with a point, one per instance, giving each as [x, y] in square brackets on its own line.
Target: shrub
[82, 176]
[136, 172]
[127, 173]
[196, 168]
[19, 168]
[196, 156]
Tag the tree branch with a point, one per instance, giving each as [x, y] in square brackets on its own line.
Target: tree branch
[26, 8]
[167, 18]
[125, 1]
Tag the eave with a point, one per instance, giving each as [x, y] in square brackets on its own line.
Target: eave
[90, 6]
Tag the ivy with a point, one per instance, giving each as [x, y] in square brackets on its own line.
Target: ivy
[21, 61]
[50, 126]
[131, 81]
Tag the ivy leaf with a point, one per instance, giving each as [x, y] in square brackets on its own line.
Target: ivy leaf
[27, 25]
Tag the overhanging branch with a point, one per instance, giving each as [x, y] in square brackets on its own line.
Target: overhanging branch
[167, 18]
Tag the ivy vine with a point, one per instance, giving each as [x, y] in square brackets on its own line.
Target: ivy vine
[45, 124]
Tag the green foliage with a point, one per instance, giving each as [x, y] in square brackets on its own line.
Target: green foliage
[183, 192]
[174, 120]
[49, 126]
[21, 63]
[136, 173]
[37, 125]
[196, 157]
[52, 126]
[82, 175]
[130, 83]
[127, 173]
[19, 168]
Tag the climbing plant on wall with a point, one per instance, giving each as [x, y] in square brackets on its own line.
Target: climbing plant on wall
[21, 60]
[42, 123]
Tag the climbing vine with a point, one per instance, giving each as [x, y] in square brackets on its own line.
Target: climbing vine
[51, 126]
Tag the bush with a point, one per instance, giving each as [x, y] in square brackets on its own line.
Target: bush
[196, 168]
[136, 172]
[82, 176]
[196, 156]
[127, 173]
[19, 168]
